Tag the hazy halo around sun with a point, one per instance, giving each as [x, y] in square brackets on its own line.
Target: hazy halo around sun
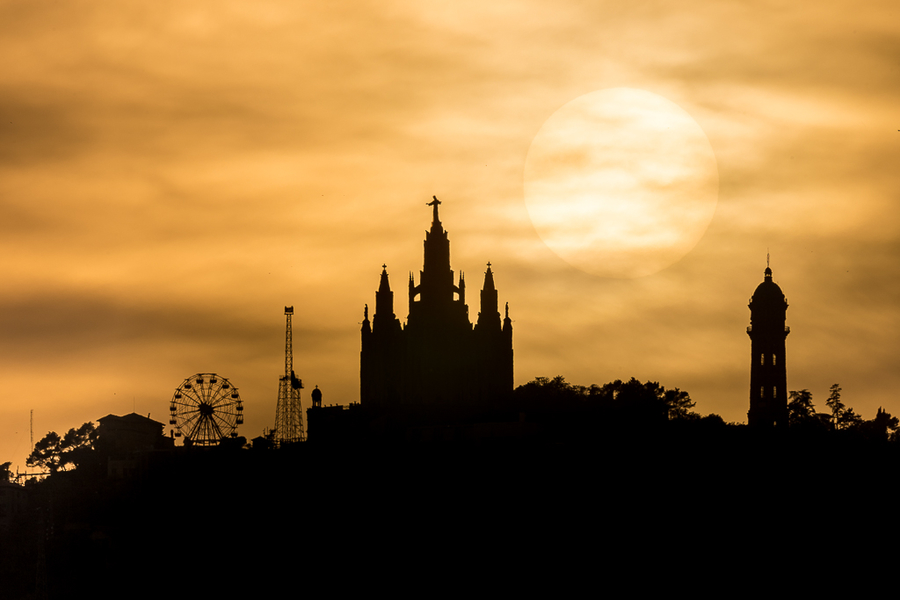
[621, 182]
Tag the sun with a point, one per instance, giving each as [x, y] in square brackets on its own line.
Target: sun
[621, 183]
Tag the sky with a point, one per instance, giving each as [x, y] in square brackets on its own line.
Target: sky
[172, 174]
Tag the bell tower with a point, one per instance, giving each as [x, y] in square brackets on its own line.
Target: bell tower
[768, 372]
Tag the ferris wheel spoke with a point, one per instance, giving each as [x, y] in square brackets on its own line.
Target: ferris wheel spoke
[186, 403]
[190, 412]
[199, 423]
[204, 430]
[227, 395]
[223, 426]
[225, 418]
[209, 428]
[192, 420]
[226, 401]
[219, 401]
[225, 409]
[192, 431]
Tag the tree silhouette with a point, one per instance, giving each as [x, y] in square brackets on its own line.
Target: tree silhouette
[800, 408]
[849, 420]
[647, 398]
[77, 443]
[543, 392]
[46, 453]
[834, 403]
[679, 404]
[5, 473]
[674, 404]
[54, 453]
[841, 416]
[882, 427]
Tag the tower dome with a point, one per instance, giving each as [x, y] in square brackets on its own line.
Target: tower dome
[768, 291]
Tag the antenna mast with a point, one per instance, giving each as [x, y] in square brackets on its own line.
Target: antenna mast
[289, 412]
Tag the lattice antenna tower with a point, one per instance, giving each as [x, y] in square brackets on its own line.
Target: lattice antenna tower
[289, 412]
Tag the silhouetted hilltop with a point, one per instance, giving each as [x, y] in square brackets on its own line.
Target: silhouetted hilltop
[582, 463]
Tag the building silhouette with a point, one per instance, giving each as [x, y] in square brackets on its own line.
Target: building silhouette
[768, 371]
[13, 504]
[125, 443]
[439, 359]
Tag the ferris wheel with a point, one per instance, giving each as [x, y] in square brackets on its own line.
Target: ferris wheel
[205, 409]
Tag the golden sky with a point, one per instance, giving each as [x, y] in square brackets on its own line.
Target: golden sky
[172, 174]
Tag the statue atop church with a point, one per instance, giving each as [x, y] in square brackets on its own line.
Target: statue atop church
[435, 203]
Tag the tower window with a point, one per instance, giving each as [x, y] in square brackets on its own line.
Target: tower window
[762, 359]
[773, 359]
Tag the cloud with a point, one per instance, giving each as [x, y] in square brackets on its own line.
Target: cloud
[172, 176]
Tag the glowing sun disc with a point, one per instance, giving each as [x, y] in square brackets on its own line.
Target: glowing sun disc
[621, 183]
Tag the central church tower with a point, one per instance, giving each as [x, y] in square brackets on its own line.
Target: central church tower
[438, 359]
[768, 372]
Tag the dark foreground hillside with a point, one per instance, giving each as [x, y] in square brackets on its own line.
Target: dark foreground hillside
[219, 521]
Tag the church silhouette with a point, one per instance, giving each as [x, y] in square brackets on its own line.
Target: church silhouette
[438, 359]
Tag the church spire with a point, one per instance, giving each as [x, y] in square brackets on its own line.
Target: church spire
[489, 278]
[462, 287]
[507, 323]
[489, 315]
[436, 283]
[384, 300]
[384, 285]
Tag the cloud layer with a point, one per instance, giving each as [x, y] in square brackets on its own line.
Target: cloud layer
[172, 175]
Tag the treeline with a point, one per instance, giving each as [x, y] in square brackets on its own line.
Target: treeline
[650, 402]
[631, 400]
[841, 419]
